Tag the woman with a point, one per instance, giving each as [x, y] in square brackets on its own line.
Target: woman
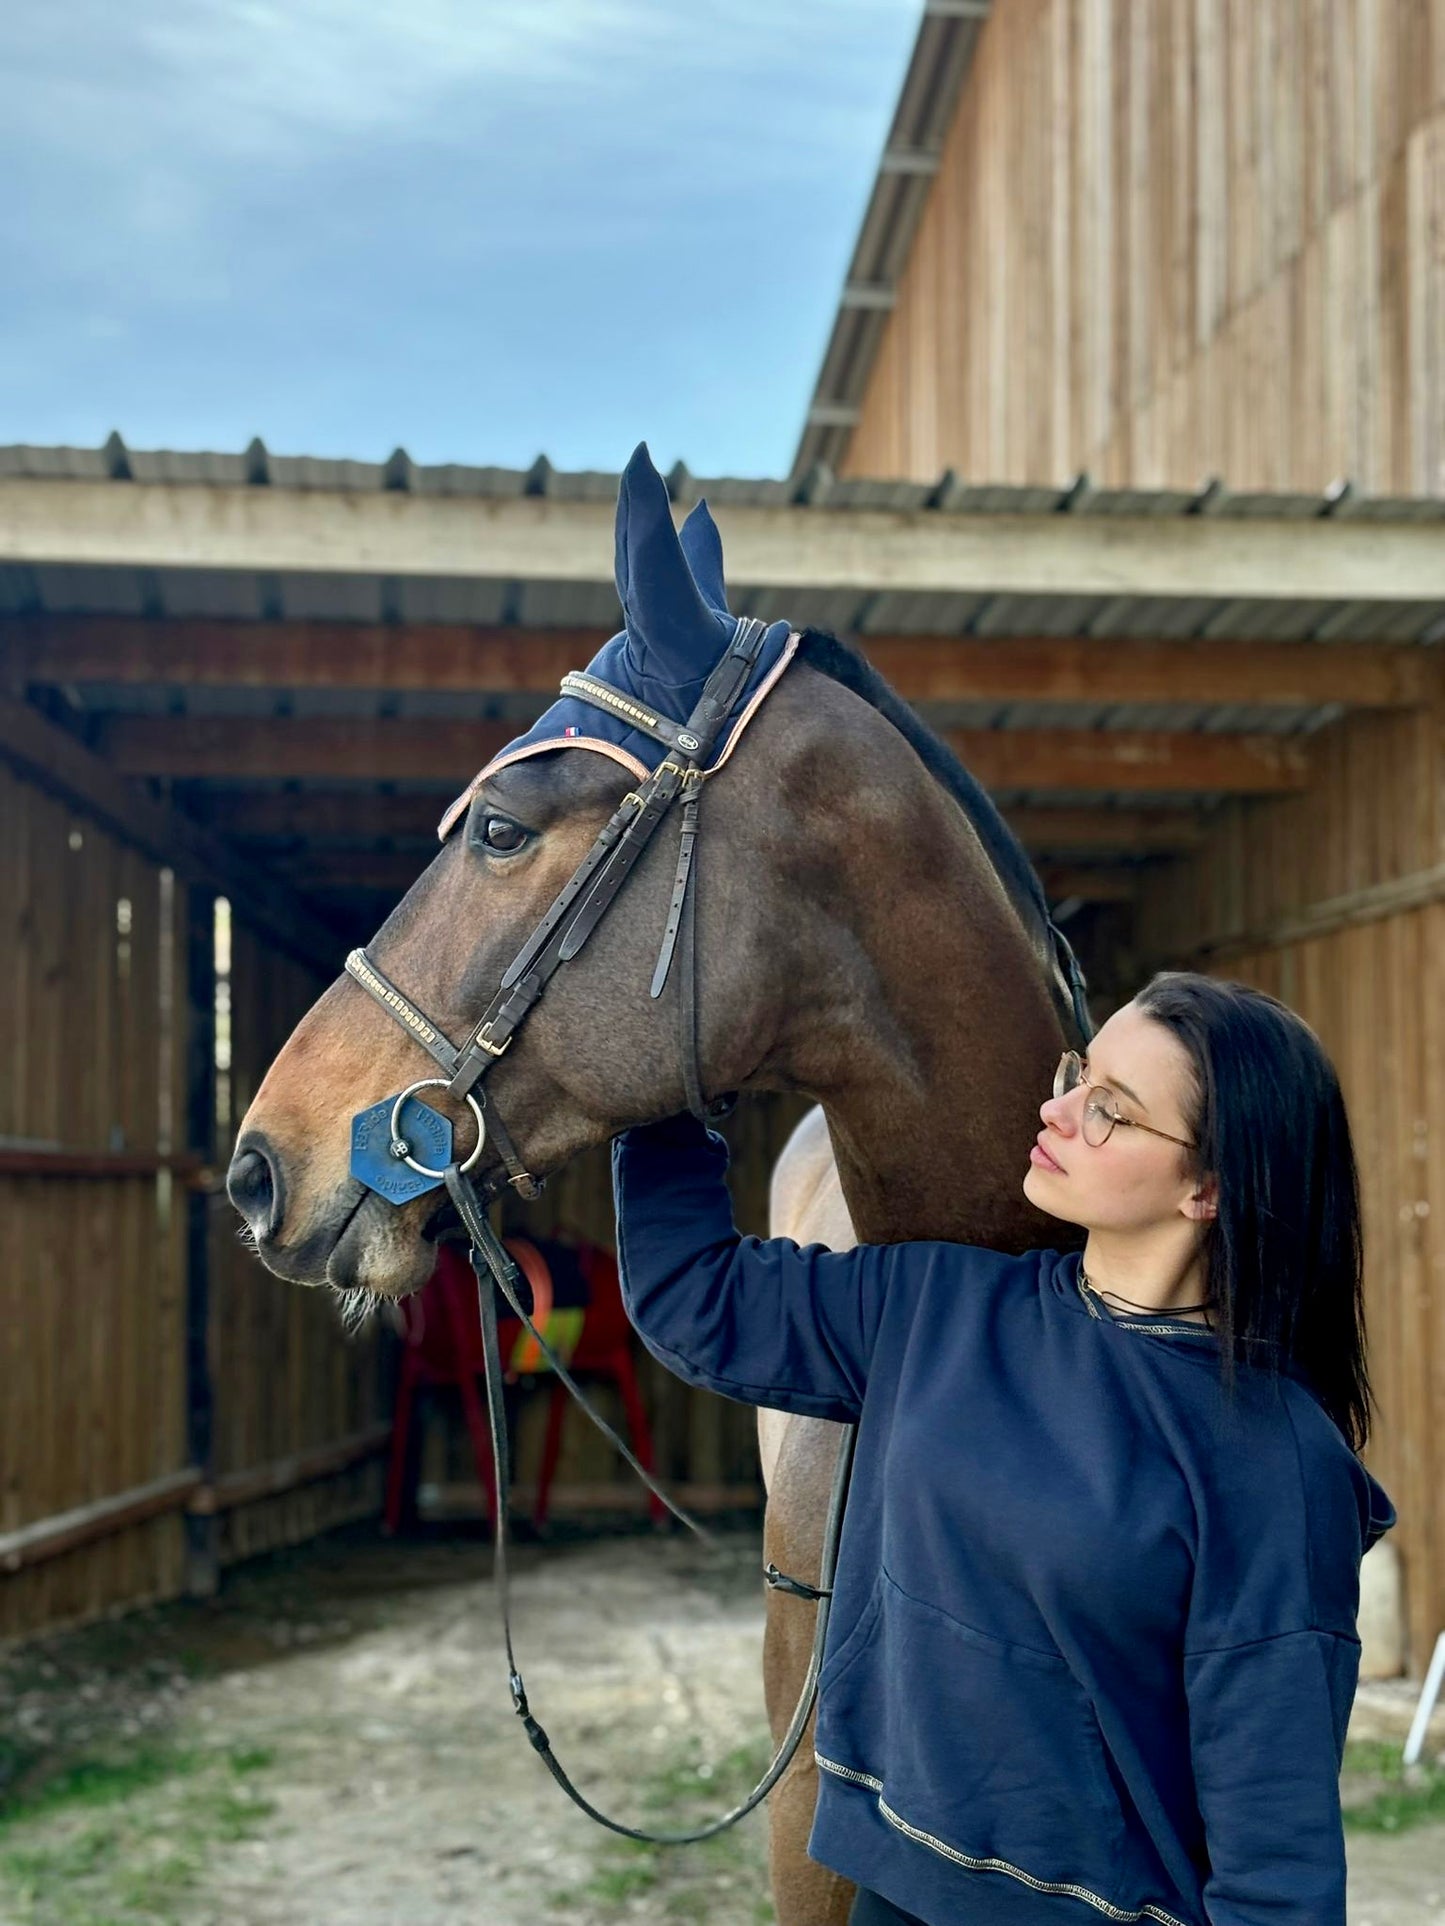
[1092, 1651]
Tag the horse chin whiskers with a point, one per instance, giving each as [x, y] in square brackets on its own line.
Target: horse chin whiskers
[356, 1306]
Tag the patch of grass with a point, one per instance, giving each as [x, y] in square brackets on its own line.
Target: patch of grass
[95, 1782]
[107, 1840]
[618, 1882]
[1394, 1796]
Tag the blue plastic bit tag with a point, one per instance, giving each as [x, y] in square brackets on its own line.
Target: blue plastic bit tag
[374, 1161]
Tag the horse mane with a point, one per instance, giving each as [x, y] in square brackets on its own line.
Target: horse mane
[845, 664]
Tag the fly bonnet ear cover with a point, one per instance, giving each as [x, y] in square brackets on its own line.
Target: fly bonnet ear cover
[677, 626]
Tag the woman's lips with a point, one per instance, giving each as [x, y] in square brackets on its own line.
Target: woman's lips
[1038, 1155]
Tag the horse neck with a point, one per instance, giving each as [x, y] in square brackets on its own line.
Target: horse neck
[944, 1056]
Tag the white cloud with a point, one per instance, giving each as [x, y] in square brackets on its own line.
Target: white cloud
[273, 73]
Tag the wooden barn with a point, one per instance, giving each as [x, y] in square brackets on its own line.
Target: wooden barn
[1126, 465]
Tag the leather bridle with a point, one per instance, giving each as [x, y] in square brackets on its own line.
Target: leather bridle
[557, 938]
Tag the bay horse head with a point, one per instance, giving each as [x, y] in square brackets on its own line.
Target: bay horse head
[834, 873]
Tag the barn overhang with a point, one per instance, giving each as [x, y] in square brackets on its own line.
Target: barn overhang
[275, 668]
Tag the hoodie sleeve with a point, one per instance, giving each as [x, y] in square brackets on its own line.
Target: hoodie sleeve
[764, 1321]
[1267, 1725]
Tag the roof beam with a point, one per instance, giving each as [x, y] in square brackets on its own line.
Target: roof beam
[922, 668]
[252, 749]
[1111, 671]
[62, 649]
[777, 546]
[392, 872]
[408, 750]
[323, 815]
[54, 759]
[1088, 885]
[1133, 760]
[1121, 832]
[319, 816]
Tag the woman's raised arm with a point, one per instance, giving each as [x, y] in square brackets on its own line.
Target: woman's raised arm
[762, 1320]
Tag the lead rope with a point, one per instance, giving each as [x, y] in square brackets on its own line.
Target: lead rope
[492, 1265]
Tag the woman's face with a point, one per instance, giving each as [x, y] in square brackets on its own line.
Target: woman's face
[1135, 1181]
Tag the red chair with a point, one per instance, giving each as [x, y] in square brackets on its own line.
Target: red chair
[444, 1348]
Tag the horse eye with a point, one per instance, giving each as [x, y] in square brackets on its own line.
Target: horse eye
[501, 834]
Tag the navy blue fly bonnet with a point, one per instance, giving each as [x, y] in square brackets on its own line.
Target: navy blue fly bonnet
[676, 628]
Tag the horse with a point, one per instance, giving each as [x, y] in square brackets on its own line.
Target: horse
[868, 934]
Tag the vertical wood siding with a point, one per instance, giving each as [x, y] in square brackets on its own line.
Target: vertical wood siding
[1374, 992]
[286, 1377]
[1177, 238]
[92, 1284]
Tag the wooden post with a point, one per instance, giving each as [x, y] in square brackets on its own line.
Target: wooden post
[202, 1531]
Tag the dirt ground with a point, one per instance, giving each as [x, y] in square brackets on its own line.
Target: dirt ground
[331, 1743]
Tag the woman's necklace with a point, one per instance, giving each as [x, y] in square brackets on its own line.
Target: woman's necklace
[1173, 1310]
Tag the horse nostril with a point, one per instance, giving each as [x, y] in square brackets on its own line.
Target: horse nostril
[252, 1187]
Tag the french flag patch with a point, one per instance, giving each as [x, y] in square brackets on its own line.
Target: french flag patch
[571, 730]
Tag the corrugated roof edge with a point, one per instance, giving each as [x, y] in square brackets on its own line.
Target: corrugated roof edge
[819, 489]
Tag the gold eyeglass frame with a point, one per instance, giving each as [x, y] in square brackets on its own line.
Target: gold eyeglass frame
[1062, 1087]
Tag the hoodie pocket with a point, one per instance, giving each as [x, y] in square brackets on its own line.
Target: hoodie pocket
[987, 1751]
[854, 1641]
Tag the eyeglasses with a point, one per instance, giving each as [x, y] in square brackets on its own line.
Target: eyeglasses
[1100, 1115]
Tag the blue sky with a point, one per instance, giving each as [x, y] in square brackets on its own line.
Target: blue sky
[481, 231]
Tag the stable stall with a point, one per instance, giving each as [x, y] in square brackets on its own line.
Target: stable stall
[253, 683]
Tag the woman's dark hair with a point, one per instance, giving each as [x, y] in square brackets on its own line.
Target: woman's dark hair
[1282, 1257]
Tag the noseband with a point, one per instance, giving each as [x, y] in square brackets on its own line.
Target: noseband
[557, 938]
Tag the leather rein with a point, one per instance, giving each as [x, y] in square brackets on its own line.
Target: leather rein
[558, 937]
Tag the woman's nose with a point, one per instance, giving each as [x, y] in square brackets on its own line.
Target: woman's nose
[1059, 1111]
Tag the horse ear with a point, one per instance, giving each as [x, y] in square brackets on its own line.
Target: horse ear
[702, 545]
[672, 633]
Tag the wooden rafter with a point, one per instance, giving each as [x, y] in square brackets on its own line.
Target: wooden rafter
[344, 871]
[316, 817]
[310, 816]
[392, 873]
[1088, 885]
[922, 668]
[1123, 832]
[409, 750]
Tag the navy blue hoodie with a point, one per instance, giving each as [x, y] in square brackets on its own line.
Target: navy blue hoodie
[1093, 1646]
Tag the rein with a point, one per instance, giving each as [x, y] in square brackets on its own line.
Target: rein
[381, 1159]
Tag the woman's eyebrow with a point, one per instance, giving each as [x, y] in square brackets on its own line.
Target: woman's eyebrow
[1116, 1083]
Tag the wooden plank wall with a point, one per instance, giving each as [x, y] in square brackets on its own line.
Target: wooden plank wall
[286, 1377]
[92, 1283]
[1374, 991]
[1179, 238]
[93, 1263]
